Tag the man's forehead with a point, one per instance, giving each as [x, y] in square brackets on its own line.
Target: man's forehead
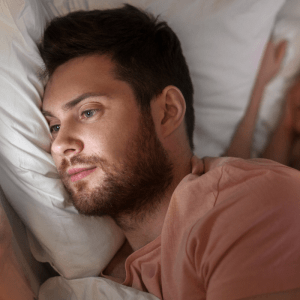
[85, 78]
[81, 67]
[78, 76]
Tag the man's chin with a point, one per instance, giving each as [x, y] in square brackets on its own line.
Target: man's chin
[86, 194]
[85, 204]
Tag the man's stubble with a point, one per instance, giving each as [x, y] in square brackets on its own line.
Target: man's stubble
[133, 188]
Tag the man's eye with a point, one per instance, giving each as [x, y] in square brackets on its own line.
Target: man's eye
[54, 128]
[88, 113]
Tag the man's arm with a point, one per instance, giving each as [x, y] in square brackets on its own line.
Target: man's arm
[252, 233]
[242, 140]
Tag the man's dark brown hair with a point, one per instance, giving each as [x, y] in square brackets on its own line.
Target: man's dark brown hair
[146, 51]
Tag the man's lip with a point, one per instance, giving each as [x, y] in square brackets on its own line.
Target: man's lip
[79, 173]
[78, 170]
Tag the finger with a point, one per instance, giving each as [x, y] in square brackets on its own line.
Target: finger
[280, 51]
[269, 49]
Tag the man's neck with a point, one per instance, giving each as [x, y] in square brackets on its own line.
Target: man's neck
[149, 226]
[149, 229]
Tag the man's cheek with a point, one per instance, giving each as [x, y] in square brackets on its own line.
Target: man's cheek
[56, 160]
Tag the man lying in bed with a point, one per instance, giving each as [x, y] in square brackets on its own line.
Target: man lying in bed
[119, 106]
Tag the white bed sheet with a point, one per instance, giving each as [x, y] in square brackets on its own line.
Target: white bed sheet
[59, 288]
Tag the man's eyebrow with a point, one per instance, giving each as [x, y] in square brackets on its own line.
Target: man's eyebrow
[74, 102]
[80, 98]
[47, 113]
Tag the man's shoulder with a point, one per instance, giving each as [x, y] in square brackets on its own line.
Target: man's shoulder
[246, 173]
[237, 187]
[256, 181]
[212, 175]
[256, 193]
[220, 218]
[211, 163]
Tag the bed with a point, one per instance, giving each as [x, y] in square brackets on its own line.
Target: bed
[49, 250]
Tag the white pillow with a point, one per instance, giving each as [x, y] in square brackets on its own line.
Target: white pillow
[222, 41]
[75, 245]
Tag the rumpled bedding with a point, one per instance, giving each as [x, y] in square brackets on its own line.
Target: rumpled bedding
[18, 282]
[91, 288]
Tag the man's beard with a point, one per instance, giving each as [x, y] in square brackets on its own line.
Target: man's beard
[133, 189]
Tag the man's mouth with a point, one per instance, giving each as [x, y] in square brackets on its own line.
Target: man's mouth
[79, 173]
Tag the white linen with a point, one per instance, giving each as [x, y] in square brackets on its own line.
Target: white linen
[74, 245]
[91, 288]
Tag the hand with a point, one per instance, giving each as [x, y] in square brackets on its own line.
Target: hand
[271, 61]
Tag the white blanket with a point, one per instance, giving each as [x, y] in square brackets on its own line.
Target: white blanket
[91, 288]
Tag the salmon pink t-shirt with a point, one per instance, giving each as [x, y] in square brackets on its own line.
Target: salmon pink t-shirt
[231, 231]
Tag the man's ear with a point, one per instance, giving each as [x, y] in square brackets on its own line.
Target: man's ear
[169, 110]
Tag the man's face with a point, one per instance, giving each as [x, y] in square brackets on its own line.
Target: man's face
[106, 151]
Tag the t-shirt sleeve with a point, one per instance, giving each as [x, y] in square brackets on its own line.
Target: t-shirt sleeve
[249, 243]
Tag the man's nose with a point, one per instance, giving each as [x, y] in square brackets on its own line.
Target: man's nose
[67, 143]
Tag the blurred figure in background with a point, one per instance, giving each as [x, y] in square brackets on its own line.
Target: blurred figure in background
[284, 143]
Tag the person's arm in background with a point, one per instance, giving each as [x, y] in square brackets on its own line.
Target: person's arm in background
[282, 140]
[13, 282]
[241, 143]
